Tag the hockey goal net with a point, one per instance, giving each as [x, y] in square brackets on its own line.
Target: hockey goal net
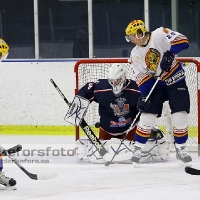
[90, 70]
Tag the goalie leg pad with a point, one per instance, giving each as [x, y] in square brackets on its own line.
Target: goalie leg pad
[154, 150]
[92, 153]
[81, 147]
[85, 150]
[123, 153]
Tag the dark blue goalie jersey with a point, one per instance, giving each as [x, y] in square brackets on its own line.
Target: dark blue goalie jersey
[116, 113]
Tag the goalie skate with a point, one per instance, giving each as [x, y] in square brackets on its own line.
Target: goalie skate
[7, 183]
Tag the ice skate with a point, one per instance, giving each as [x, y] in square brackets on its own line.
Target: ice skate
[137, 154]
[182, 155]
[7, 183]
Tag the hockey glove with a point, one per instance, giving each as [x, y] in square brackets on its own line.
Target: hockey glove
[166, 61]
[142, 105]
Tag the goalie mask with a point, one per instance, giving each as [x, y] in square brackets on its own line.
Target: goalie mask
[117, 78]
[4, 48]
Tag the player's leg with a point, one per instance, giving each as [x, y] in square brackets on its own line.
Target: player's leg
[6, 183]
[130, 135]
[157, 147]
[180, 108]
[104, 135]
[147, 121]
[142, 133]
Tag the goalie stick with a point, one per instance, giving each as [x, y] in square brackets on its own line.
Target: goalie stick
[87, 130]
[18, 148]
[192, 171]
[134, 121]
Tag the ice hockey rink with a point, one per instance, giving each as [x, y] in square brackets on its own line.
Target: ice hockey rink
[86, 181]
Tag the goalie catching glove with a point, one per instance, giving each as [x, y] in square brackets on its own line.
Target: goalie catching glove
[77, 110]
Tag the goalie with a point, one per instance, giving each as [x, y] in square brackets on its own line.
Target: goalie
[117, 98]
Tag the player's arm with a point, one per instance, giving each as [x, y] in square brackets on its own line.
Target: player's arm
[144, 81]
[178, 41]
[87, 91]
[143, 78]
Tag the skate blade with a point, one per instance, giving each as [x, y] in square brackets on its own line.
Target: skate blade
[188, 164]
[134, 164]
[8, 187]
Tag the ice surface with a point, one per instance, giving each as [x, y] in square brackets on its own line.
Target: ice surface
[85, 181]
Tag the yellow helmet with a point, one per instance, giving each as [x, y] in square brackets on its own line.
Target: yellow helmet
[133, 27]
[4, 48]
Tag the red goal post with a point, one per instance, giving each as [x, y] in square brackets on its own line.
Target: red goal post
[89, 70]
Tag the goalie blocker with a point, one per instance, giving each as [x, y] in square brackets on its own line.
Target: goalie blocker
[156, 149]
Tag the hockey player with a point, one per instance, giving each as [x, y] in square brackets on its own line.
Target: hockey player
[155, 52]
[117, 98]
[6, 183]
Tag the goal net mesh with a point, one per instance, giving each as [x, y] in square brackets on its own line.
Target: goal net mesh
[93, 69]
